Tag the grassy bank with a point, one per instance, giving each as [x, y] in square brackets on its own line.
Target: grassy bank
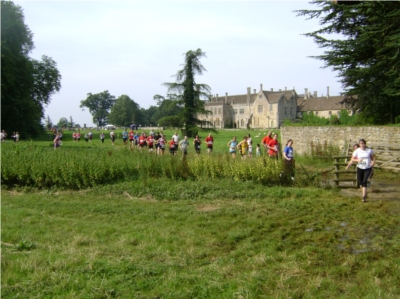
[209, 239]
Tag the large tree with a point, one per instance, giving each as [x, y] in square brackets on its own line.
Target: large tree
[99, 106]
[188, 92]
[26, 84]
[365, 52]
[168, 112]
[62, 123]
[124, 111]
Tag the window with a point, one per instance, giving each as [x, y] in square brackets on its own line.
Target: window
[270, 107]
[330, 112]
[234, 111]
[316, 112]
[260, 108]
[217, 122]
[219, 110]
[242, 123]
[215, 110]
[241, 111]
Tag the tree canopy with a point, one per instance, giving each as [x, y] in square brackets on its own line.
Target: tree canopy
[99, 106]
[124, 111]
[26, 84]
[188, 93]
[365, 52]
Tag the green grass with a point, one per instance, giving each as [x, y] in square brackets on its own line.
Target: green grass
[198, 240]
[139, 235]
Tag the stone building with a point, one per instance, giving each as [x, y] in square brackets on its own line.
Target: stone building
[262, 109]
[265, 109]
[323, 106]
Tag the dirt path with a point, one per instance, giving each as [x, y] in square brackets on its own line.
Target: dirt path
[379, 190]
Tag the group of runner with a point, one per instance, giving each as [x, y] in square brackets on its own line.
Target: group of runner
[14, 136]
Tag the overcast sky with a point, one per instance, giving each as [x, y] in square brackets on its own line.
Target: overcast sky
[132, 47]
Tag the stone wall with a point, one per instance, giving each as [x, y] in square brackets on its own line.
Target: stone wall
[339, 136]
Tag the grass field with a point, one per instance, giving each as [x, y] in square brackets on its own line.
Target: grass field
[206, 238]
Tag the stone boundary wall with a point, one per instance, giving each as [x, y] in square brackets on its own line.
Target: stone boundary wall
[339, 136]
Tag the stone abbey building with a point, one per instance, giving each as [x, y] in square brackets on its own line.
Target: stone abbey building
[266, 109]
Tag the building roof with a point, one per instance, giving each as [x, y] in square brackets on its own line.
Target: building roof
[321, 104]
[272, 96]
[236, 99]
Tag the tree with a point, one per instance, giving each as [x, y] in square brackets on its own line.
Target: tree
[62, 123]
[99, 106]
[48, 123]
[366, 54]
[124, 111]
[168, 111]
[188, 92]
[26, 84]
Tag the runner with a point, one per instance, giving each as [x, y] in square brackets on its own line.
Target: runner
[233, 146]
[197, 144]
[125, 137]
[209, 141]
[131, 139]
[150, 142]
[184, 145]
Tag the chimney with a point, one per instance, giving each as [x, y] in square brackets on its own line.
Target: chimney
[280, 89]
[315, 94]
[306, 93]
[285, 88]
[261, 86]
[226, 98]
[248, 94]
[327, 91]
[272, 89]
[216, 98]
[255, 90]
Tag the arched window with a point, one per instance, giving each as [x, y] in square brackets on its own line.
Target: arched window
[217, 123]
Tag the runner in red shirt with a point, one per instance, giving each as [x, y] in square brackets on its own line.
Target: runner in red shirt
[142, 141]
[150, 142]
[209, 141]
[172, 146]
[273, 147]
[266, 140]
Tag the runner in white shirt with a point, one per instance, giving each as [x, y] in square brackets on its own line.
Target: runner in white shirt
[365, 159]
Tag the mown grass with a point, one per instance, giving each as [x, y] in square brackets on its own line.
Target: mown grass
[209, 239]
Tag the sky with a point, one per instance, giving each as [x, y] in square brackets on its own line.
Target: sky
[133, 47]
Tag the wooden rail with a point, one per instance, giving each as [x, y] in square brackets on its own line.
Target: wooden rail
[339, 161]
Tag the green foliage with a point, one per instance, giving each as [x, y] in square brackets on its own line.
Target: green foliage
[62, 123]
[314, 120]
[168, 111]
[366, 55]
[68, 169]
[188, 92]
[124, 112]
[26, 84]
[99, 106]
